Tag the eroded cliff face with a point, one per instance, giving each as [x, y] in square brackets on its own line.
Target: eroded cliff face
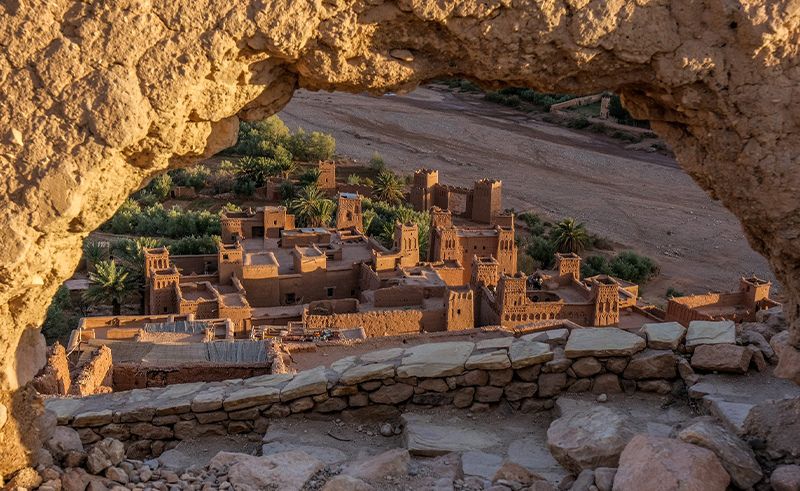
[99, 96]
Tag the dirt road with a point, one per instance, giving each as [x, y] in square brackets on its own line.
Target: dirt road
[642, 200]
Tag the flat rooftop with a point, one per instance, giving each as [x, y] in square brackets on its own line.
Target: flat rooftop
[352, 252]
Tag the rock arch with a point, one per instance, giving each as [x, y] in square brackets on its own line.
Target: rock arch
[99, 96]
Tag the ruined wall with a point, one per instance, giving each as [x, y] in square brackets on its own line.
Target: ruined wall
[99, 97]
[376, 323]
[54, 377]
[95, 376]
[132, 376]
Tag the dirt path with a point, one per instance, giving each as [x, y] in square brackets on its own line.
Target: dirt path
[642, 200]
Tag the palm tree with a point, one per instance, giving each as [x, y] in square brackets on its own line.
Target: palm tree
[108, 284]
[93, 252]
[131, 257]
[569, 236]
[323, 213]
[310, 176]
[284, 167]
[311, 206]
[388, 188]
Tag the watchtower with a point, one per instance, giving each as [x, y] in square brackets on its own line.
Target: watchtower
[606, 301]
[485, 271]
[406, 243]
[161, 294]
[569, 265]
[421, 189]
[327, 176]
[487, 200]
[348, 212]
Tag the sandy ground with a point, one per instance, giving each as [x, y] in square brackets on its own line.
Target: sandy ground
[642, 200]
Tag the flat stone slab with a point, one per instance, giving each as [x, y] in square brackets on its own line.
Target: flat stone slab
[558, 336]
[64, 409]
[481, 464]
[710, 332]
[250, 397]
[306, 383]
[435, 359]
[493, 360]
[362, 373]
[664, 335]
[382, 355]
[731, 414]
[426, 439]
[526, 353]
[275, 380]
[344, 364]
[495, 343]
[602, 342]
[329, 455]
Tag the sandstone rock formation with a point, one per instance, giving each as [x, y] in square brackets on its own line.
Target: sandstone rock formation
[101, 96]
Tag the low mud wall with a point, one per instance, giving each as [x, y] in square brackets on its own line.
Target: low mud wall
[133, 376]
[527, 373]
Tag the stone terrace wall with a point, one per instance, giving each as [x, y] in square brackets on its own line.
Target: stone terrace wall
[527, 372]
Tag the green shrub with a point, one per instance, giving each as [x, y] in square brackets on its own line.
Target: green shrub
[194, 245]
[354, 179]
[542, 251]
[59, 320]
[383, 217]
[672, 292]
[578, 123]
[309, 147]
[534, 222]
[630, 266]
[156, 221]
[244, 186]
[595, 265]
[287, 190]
[376, 163]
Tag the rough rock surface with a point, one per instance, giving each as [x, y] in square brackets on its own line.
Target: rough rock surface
[585, 439]
[785, 478]
[662, 464]
[285, 471]
[735, 455]
[721, 358]
[99, 98]
[602, 342]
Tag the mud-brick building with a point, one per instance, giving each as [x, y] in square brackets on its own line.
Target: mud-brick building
[454, 243]
[516, 300]
[738, 306]
[480, 204]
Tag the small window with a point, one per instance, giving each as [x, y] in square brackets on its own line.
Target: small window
[329, 291]
[458, 311]
[224, 257]
[290, 298]
[275, 222]
[353, 292]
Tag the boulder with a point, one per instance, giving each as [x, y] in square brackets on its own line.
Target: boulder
[64, 440]
[392, 394]
[606, 383]
[435, 359]
[788, 357]
[586, 367]
[710, 332]
[426, 439]
[759, 341]
[777, 424]
[390, 463]
[551, 384]
[602, 342]
[785, 478]
[604, 478]
[664, 464]
[346, 483]
[104, 454]
[589, 438]
[735, 455]
[721, 358]
[664, 335]
[511, 472]
[651, 363]
[287, 471]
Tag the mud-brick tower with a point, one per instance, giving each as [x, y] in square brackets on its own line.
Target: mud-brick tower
[422, 188]
[406, 243]
[162, 288]
[348, 212]
[487, 200]
[606, 301]
[569, 265]
[327, 177]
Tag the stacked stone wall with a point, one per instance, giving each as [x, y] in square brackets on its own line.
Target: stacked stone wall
[528, 373]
